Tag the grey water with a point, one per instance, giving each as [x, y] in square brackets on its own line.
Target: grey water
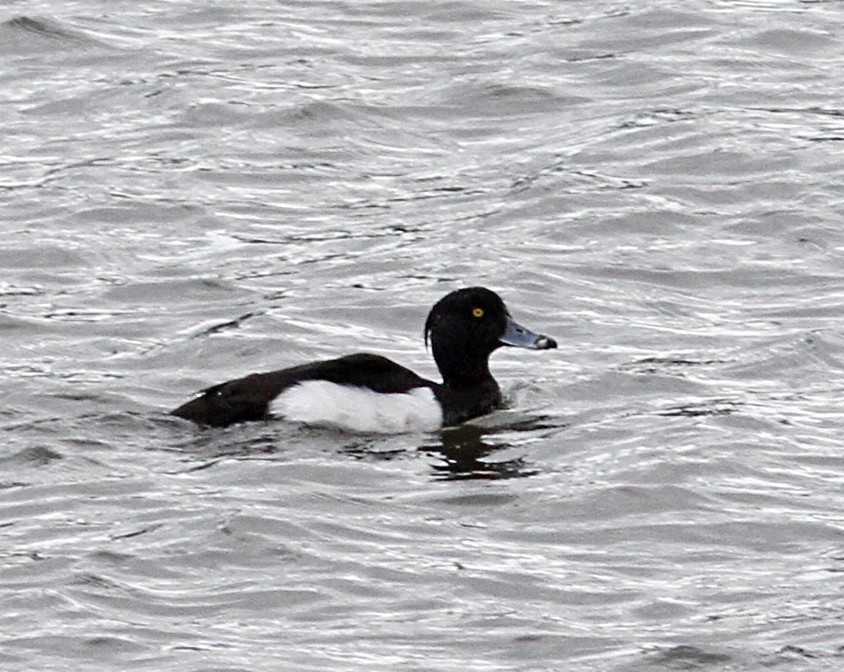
[193, 191]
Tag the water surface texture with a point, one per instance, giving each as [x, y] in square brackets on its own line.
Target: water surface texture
[192, 191]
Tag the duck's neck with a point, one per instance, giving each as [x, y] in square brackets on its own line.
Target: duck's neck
[460, 372]
[467, 395]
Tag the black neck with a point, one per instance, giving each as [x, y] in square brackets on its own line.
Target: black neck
[460, 371]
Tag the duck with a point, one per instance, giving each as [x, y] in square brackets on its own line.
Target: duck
[368, 393]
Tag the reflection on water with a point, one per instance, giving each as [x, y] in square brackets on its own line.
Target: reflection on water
[464, 452]
[468, 451]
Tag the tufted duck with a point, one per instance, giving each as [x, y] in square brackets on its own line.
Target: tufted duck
[370, 393]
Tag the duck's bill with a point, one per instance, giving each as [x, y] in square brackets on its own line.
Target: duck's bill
[520, 337]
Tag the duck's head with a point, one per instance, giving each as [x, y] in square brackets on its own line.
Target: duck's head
[466, 326]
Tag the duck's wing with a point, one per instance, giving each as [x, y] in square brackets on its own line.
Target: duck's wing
[249, 398]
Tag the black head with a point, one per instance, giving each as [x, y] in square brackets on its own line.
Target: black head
[467, 326]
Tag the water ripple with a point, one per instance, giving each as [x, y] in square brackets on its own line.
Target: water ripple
[195, 192]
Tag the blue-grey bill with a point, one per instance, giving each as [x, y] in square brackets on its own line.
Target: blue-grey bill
[520, 337]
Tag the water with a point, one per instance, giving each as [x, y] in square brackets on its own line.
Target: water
[195, 191]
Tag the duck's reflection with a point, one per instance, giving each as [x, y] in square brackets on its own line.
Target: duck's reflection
[469, 451]
[462, 453]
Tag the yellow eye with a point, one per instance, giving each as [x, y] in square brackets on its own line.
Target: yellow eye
[478, 312]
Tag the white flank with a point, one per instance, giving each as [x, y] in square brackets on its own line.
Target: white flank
[359, 409]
